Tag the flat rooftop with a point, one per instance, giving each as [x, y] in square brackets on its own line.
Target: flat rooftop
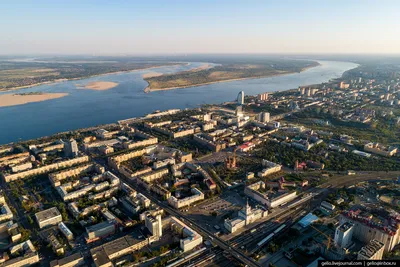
[345, 226]
[47, 214]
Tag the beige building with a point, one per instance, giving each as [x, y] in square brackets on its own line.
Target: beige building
[154, 175]
[104, 255]
[27, 259]
[180, 203]
[45, 169]
[245, 217]
[269, 168]
[57, 177]
[73, 260]
[253, 191]
[28, 252]
[48, 217]
[100, 230]
[190, 239]
[114, 162]
[379, 149]
[14, 159]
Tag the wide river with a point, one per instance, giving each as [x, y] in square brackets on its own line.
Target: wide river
[85, 108]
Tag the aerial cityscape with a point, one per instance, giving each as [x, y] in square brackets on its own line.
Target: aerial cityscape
[185, 154]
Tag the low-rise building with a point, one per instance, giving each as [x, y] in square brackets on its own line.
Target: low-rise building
[179, 203]
[271, 201]
[73, 260]
[99, 230]
[45, 169]
[65, 230]
[269, 168]
[190, 239]
[48, 217]
[379, 149]
[104, 255]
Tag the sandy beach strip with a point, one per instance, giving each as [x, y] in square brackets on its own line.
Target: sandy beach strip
[8, 100]
[151, 74]
[98, 86]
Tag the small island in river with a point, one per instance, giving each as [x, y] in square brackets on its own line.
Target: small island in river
[8, 100]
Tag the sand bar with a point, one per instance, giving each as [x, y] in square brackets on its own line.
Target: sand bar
[99, 86]
[151, 74]
[8, 100]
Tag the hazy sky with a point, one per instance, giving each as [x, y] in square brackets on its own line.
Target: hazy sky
[199, 26]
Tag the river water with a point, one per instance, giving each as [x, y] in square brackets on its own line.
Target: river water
[85, 108]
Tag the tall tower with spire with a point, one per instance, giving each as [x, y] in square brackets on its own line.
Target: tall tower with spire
[246, 213]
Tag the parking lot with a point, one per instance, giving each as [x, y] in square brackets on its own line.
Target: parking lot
[212, 212]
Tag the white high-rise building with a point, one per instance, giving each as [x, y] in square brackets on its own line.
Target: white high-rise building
[154, 224]
[240, 98]
[343, 234]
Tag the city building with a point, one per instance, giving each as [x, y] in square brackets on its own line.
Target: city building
[245, 217]
[379, 149]
[44, 169]
[23, 254]
[343, 234]
[190, 239]
[103, 255]
[71, 148]
[263, 96]
[187, 201]
[100, 230]
[269, 168]
[48, 217]
[154, 224]
[373, 251]
[264, 117]
[6, 213]
[255, 191]
[240, 98]
[65, 230]
[73, 260]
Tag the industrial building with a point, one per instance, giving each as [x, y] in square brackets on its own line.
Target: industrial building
[368, 227]
[343, 234]
[373, 251]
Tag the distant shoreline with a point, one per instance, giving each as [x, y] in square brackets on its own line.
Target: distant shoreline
[86, 77]
[148, 89]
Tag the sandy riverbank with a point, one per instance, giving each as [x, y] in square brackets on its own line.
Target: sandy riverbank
[8, 100]
[148, 89]
[98, 86]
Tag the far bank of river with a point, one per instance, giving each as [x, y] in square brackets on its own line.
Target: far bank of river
[148, 88]
[86, 108]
